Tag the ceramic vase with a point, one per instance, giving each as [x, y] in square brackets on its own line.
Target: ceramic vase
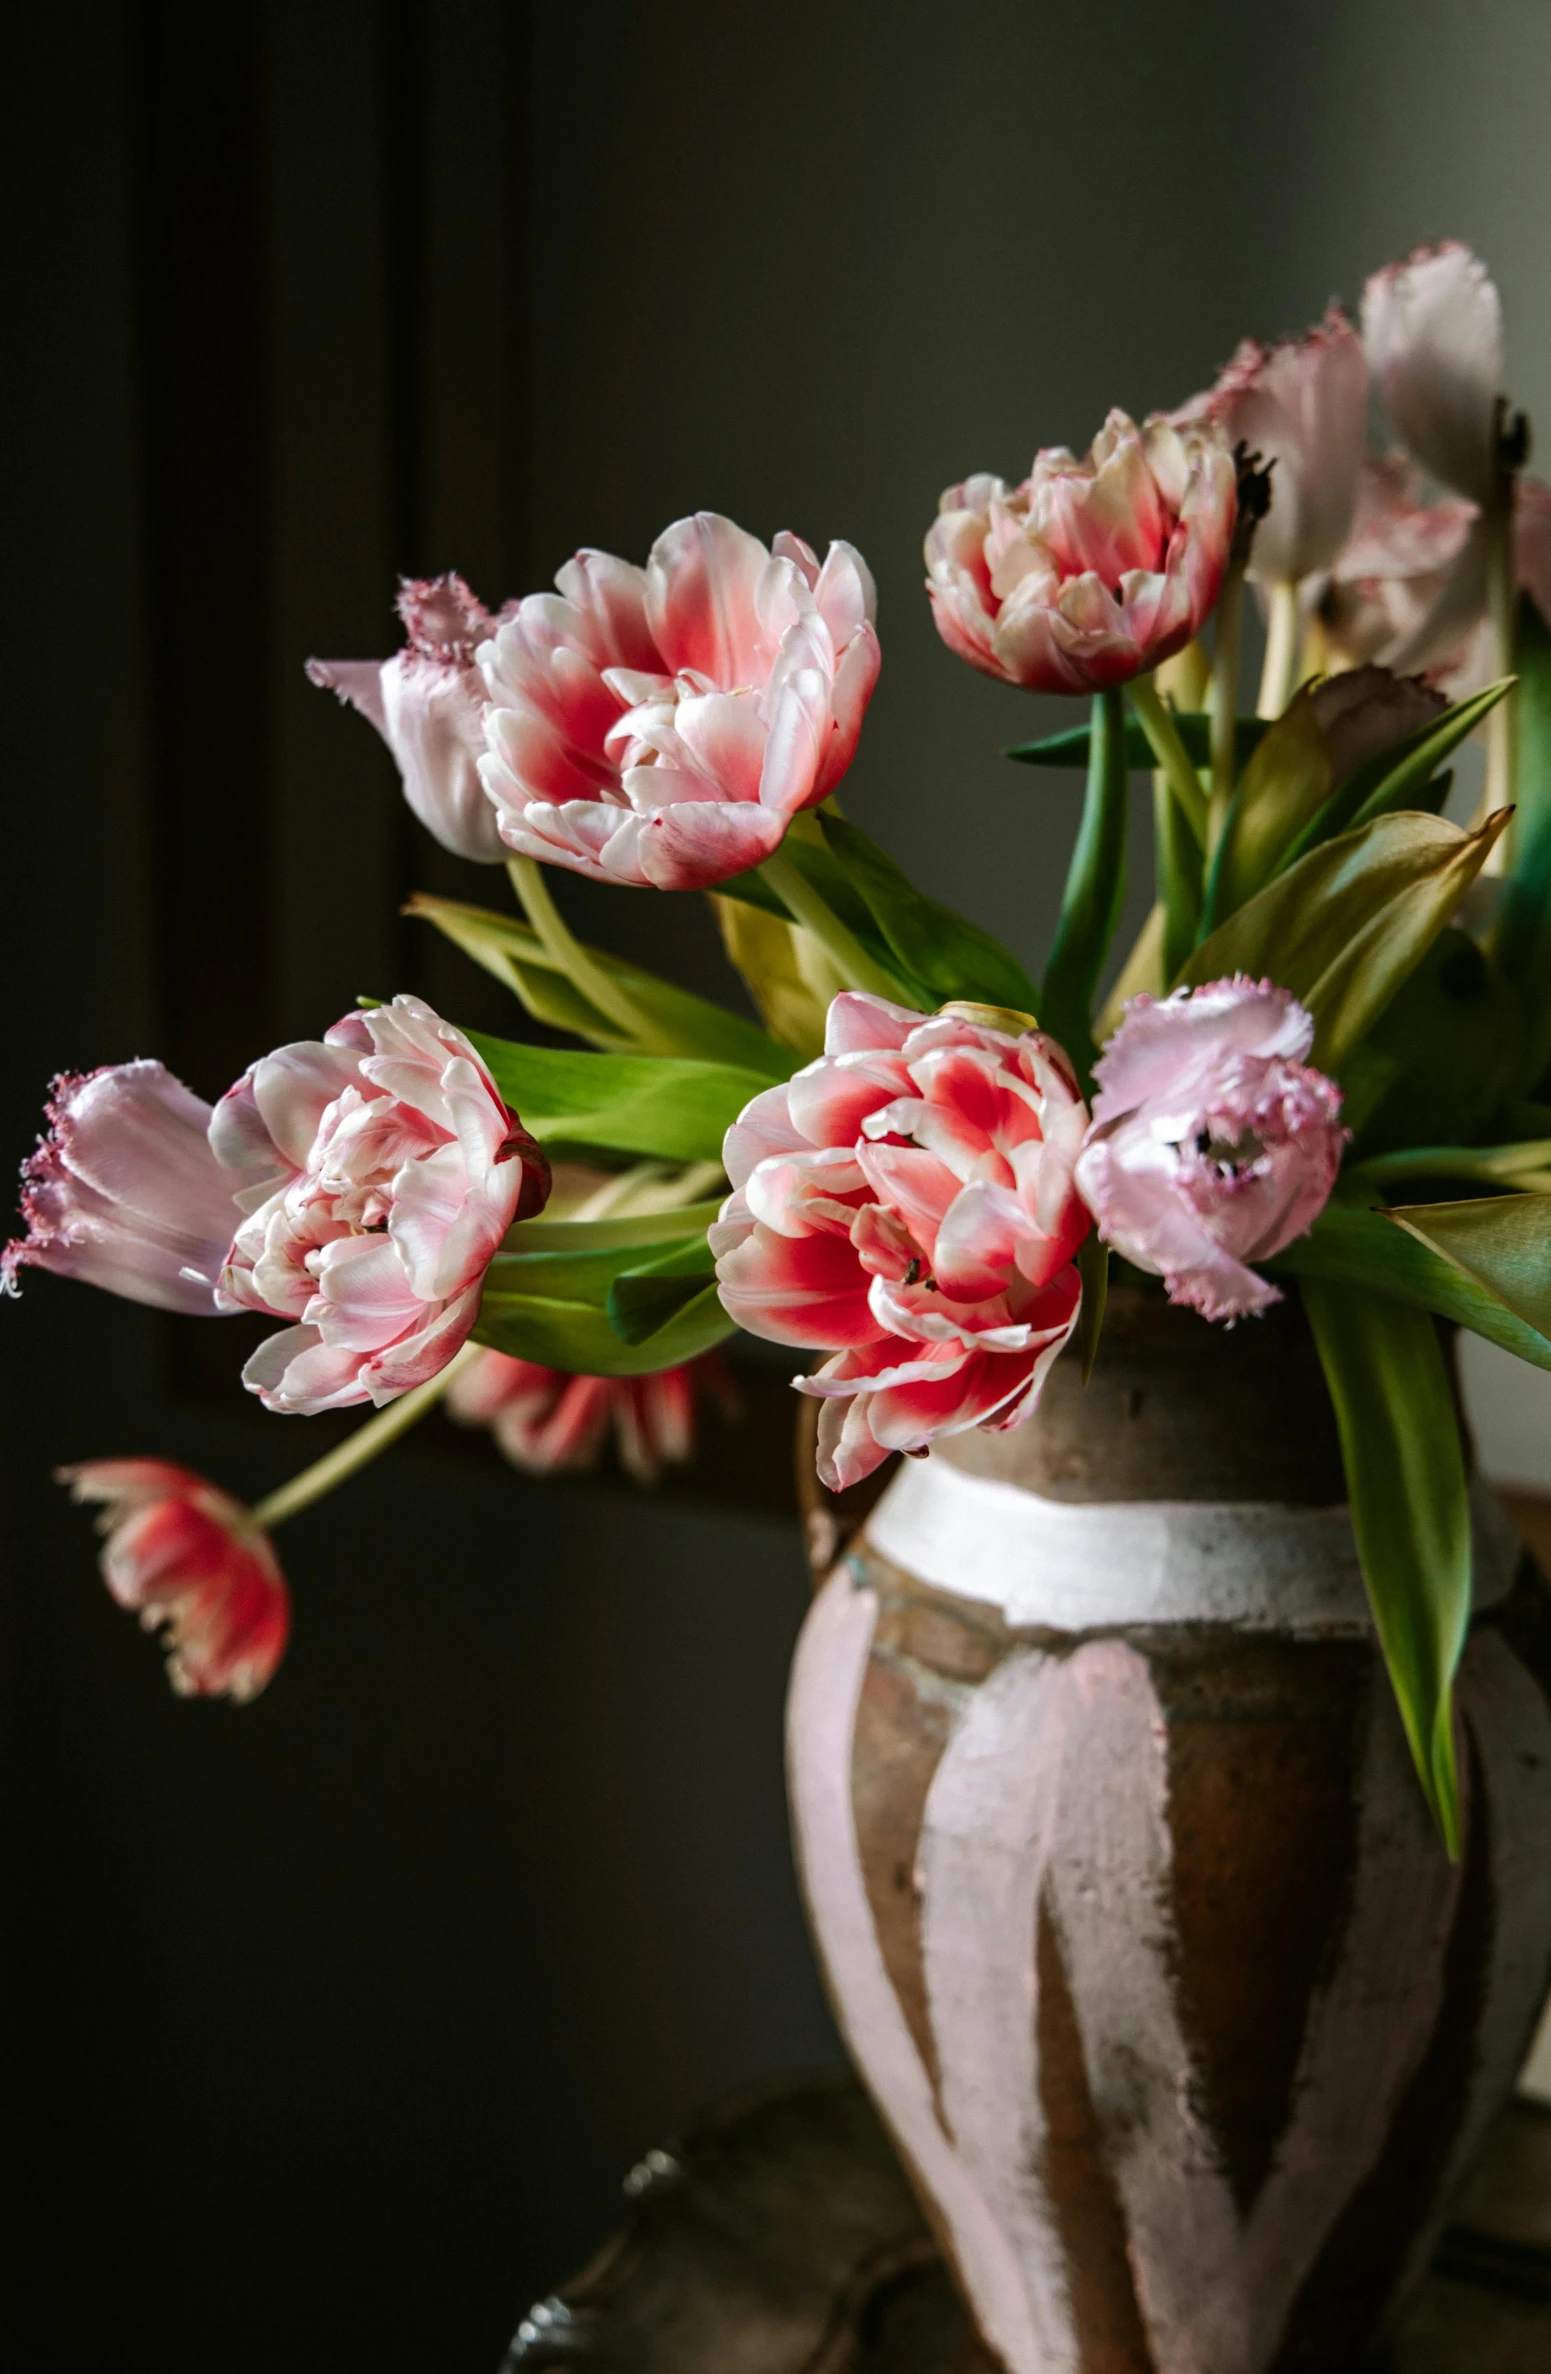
[1135, 1921]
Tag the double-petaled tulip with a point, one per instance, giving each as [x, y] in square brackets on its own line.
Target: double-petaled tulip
[428, 703]
[190, 1562]
[906, 1202]
[1090, 571]
[664, 725]
[394, 1170]
[124, 1192]
[1301, 405]
[547, 1422]
[1213, 1144]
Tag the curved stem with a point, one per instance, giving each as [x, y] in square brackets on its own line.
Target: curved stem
[1284, 633]
[363, 1446]
[1225, 700]
[816, 915]
[527, 879]
[1173, 758]
[1502, 730]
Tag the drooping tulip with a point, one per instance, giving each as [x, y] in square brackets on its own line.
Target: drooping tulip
[547, 1422]
[1434, 334]
[428, 703]
[190, 1562]
[906, 1203]
[1091, 571]
[125, 1193]
[1302, 406]
[394, 1170]
[662, 726]
[1213, 1144]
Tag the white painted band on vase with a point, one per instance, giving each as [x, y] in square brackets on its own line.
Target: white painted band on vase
[1083, 1566]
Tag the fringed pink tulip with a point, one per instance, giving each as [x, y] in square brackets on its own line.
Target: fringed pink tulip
[664, 725]
[1434, 333]
[191, 1563]
[125, 1193]
[1213, 1144]
[547, 1422]
[1090, 571]
[1303, 406]
[428, 703]
[394, 1171]
[906, 1202]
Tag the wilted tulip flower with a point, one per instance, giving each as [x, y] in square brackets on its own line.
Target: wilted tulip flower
[1212, 1144]
[125, 1193]
[664, 725]
[190, 1562]
[394, 1169]
[1434, 333]
[906, 1202]
[1090, 571]
[1303, 407]
[427, 702]
[548, 1422]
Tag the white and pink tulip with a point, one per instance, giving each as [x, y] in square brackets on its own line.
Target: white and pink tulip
[1091, 571]
[906, 1203]
[191, 1563]
[662, 726]
[394, 1171]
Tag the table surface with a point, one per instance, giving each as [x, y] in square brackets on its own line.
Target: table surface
[778, 2236]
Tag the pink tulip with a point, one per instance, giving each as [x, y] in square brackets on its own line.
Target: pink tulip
[428, 703]
[664, 725]
[125, 1193]
[1302, 405]
[547, 1422]
[1434, 333]
[1091, 571]
[1213, 1144]
[190, 1561]
[394, 1170]
[906, 1202]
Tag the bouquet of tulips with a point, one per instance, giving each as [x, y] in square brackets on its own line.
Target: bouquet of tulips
[1324, 1068]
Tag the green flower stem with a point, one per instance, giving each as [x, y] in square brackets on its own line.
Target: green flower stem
[1170, 752]
[567, 952]
[1284, 634]
[815, 914]
[336, 1466]
[1502, 730]
[1225, 699]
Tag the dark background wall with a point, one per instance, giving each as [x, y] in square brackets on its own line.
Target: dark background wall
[335, 2020]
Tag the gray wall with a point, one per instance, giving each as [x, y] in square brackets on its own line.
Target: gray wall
[340, 2017]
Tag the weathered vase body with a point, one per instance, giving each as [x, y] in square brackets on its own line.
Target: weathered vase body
[1134, 1918]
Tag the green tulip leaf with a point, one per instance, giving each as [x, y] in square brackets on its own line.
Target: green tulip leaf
[947, 956]
[1073, 748]
[513, 952]
[1405, 1253]
[1398, 777]
[1346, 926]
[1405, 1478]
[673, 1107]
[645, 1297]
[1286, 780]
